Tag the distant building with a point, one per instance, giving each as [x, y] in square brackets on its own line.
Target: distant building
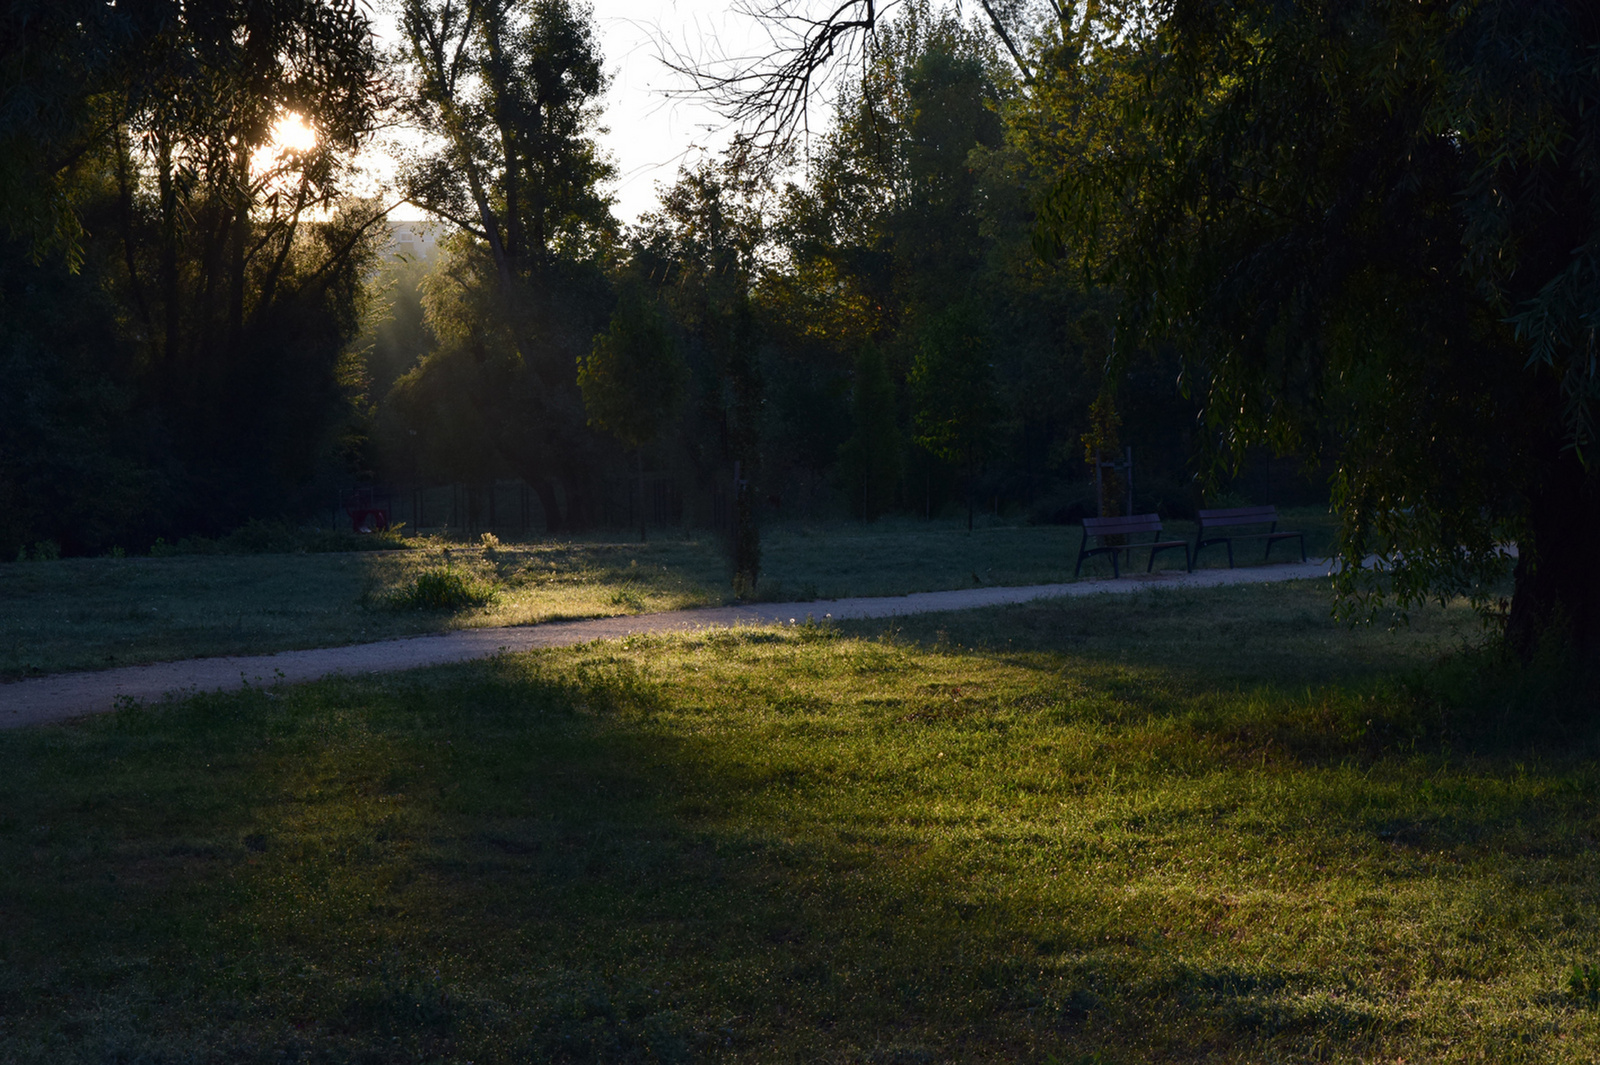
[415, 240]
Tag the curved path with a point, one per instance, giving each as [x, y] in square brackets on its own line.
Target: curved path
[62, 696]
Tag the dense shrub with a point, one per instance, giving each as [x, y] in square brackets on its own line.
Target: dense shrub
[444, 588]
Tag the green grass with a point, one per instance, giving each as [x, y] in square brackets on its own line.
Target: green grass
[1197, 827]
[98, 613]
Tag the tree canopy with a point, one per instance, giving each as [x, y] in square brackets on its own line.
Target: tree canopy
[214, 278]
[1366, 224]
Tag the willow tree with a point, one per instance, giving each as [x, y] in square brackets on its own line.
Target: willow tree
[1371, 227]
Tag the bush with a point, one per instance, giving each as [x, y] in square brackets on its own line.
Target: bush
[444, 588]
[43, 551]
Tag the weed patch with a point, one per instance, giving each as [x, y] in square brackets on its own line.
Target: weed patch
[444, 588]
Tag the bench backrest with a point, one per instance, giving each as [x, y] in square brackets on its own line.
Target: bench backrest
[1238, 516]
[1123, 526]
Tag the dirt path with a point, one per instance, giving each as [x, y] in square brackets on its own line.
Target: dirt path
[62, 696]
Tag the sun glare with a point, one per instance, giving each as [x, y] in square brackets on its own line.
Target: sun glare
[291, 134]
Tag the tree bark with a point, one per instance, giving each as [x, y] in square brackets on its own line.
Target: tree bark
[1555, 607]
[643, 535]
[546, 490]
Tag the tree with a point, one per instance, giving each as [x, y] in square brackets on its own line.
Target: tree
[770, 94]
[704, 251]
[871, 457]
[632, 380]
[509, 90]
[1371, 227]
[954, 391]
[75, 462]
[137, 144]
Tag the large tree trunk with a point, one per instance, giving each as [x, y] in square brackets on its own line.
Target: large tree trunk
[1556, 604]
[575, 484]
[546, 490]
[643, 527]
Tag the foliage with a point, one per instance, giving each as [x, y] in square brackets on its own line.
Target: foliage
[75, 464]
[633, 377]
[703, 253]
[395, 331]
[1103, 443]
[198, 286]
[632, 380]
[918, 199]
[870, 459]
[1356, 219]
[507, 93]
[952, 387]
[510, 90]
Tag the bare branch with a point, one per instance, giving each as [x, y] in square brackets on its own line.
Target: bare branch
[769, 95]
[1005, 39]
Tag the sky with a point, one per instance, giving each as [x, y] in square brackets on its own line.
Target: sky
[649, 136]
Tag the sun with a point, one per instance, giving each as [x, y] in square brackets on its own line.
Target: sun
[291, 133]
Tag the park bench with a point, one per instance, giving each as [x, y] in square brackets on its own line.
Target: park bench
[1132, 525]
[1242, 517]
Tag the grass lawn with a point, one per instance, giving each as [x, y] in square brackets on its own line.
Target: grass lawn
[1210, 826]
[98, 613]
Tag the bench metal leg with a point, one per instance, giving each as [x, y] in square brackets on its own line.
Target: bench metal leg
[1274, 539]
[1199, 544]
[1188, 563]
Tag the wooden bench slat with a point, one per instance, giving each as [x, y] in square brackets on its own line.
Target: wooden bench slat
[1237, 516]
[1138, 523]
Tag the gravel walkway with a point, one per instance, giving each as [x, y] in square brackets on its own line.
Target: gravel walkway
[62, 696]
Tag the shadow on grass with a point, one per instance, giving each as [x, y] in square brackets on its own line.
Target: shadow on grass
[761, 846]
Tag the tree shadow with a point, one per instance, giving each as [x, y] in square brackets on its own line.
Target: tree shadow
[569, 857]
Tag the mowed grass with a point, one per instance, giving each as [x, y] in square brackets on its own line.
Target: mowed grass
[78, 614]
[99, 613]
[1181, 827]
